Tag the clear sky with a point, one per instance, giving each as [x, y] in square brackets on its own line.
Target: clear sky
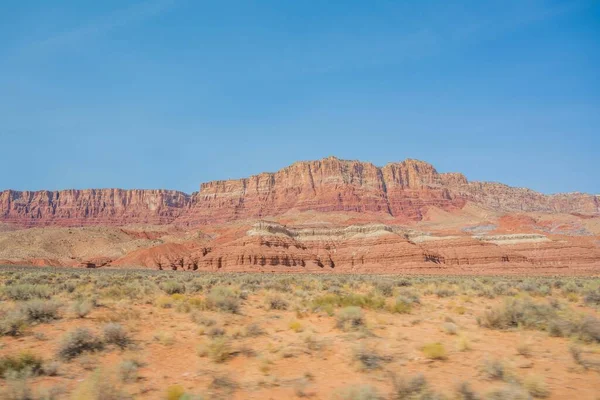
[172, 93]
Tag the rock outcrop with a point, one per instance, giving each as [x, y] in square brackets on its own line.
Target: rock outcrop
[92, 207]
[403, 191]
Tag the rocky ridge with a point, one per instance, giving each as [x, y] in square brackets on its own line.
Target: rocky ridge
[403, 191]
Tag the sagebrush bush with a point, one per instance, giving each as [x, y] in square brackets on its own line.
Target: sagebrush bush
[402, 305]
[23, 363]
[358, 392]
[416, 387]
[592, 298]
[13, 323]
[81, 308]
[40, 310]
[516, 312]
[128, 370]
[350, 318]
[223, 299]
[173, 287]
[277, 303]
[219, 350]
[369, 358]
[115, 334]
[78, 341]
[27, 292]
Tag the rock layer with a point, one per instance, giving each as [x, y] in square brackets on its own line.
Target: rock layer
[403, 191]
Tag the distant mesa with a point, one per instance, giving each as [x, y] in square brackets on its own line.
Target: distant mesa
[403, 191]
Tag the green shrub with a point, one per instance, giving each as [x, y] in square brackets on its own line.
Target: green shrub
[24, 362]
[27, 292]
[173, 287]
[78, 341]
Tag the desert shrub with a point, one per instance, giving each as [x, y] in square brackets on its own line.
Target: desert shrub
[296, 326]
[464, 392]
[17, 388]
[413, 388]
[589, 329]
[219, 350]
[434, 351]
[463, 343]
[40, 310]
[385, 288]
[350, 318]
[524, 348]
[494, 369]
[27, 292]
[51, 368]
[200, 319]
[173, 287]
[512, 392]
[164, 302]
[277, 303]
[369, 359]
[13, 323]
[78, 341]
[536, 387]
[410, 295]
[253, 330]
[115, 334]
[592, 298]
[216, 331]
[100, 386]
[223, 298]
[128, 370]
[23, 363]
[515, 312]
[358, 392]
[175, 392]
[402, 305]
[81, 308]
[349, 299]
[445, 292]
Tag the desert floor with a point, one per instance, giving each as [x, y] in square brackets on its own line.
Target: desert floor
[102, 334]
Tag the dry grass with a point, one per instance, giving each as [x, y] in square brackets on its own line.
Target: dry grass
[157, 335]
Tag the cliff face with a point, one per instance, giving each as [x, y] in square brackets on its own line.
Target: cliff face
[401, 190]
[92, 207]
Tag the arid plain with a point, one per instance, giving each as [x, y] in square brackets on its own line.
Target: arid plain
[328, 279]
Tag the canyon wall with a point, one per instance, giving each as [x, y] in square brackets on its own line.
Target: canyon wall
[401, 190]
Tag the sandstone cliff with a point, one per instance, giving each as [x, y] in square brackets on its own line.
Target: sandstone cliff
[92, 207]
[403, 190]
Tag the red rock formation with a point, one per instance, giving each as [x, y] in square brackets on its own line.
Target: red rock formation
[400, 190]
[91, 207]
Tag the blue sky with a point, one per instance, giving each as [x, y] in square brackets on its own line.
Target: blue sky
[172, 93]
